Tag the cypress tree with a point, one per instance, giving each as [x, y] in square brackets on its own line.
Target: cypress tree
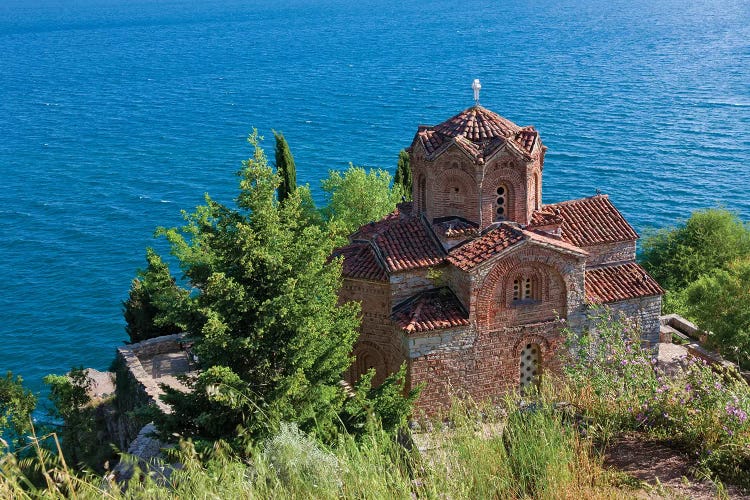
[285, 167]
[403, 173]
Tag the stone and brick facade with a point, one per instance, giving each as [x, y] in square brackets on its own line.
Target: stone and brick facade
[471, 283]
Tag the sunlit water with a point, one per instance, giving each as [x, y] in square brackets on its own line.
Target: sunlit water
[115, 115]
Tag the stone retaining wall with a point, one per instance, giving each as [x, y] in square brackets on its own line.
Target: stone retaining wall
[135, 386]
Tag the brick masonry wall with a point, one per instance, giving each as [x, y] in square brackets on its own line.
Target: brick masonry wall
[480, 365]
[559, 276]
[610, 253]
[380, 344]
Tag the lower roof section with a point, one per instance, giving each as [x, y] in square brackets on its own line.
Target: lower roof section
[619, 282]
[430, 310]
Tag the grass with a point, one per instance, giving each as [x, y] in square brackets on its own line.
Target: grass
[535, 448]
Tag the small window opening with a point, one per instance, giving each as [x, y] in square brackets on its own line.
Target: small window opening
[530, 367]
[501, 203]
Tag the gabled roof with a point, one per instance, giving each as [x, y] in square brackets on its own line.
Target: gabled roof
[492, 242]
[430, 310]
[586, 222]
[475, 252]
[406, 244]
[399, 242]
[479, 132]
[620, 282]
[361, 262]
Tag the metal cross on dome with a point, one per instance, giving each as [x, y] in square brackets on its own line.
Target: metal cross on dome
[477, 87]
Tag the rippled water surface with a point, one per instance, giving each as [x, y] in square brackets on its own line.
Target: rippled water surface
[115, 115]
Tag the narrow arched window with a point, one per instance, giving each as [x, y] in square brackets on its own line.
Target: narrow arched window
[501, 202]
[422, 194]
[525, 288]
[530, 366]
[537, 191]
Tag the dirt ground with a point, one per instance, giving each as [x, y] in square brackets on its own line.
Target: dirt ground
[659, 465]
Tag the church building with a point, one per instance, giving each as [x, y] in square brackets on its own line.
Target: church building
[471, 283]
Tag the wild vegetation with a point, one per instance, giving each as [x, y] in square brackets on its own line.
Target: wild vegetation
[704, 264]
[548, 444]
[268, 418]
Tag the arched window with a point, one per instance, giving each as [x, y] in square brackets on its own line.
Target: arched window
[501, 202]
[537, 191]
[525, 288]
[530, 367]
[422, 193]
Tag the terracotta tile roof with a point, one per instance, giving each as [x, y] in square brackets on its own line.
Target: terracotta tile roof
[376, 227]
[361, 262]
[621, 282]
[549, 240]
[526, 138]
[476, 251]
[407, 244]
[587, 222]
[455, 228]
[479, 132]
[477, 124]
[430, 310]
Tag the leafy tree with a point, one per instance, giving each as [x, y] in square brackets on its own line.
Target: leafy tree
[81, 437]
[356, 197]
[710, 239]
[403, 176]
[16, 405]
[152, 294]
[285, 167]
[270, 333]
[720, 302]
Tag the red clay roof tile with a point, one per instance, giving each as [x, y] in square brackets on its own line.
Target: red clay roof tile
[360, 262]
[587, 222]
[479, 132]
[621, 282]
[476, 251]
[430, 310]
[406, 244]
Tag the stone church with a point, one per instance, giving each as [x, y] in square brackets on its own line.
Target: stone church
[471, 283]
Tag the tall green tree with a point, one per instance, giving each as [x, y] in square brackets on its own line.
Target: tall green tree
[710, 239]
[153, 294]
[356, 197]
[720, 303]
[271, 336]
[16, 405]
[403, 175]
[285, 167]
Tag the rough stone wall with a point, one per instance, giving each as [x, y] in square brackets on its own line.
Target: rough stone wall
[134, 384]
[644, 312]
[379, 345]
[406, 284]
[610, 253]
[481, 365]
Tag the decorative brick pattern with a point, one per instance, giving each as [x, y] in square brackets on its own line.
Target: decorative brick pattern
[461, 290]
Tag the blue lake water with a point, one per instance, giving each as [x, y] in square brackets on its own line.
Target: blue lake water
[114, 115]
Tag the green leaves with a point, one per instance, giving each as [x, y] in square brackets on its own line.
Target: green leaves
[720, 302]
[403, 177]
[356, 197]
[16, 405]
[266, 318]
